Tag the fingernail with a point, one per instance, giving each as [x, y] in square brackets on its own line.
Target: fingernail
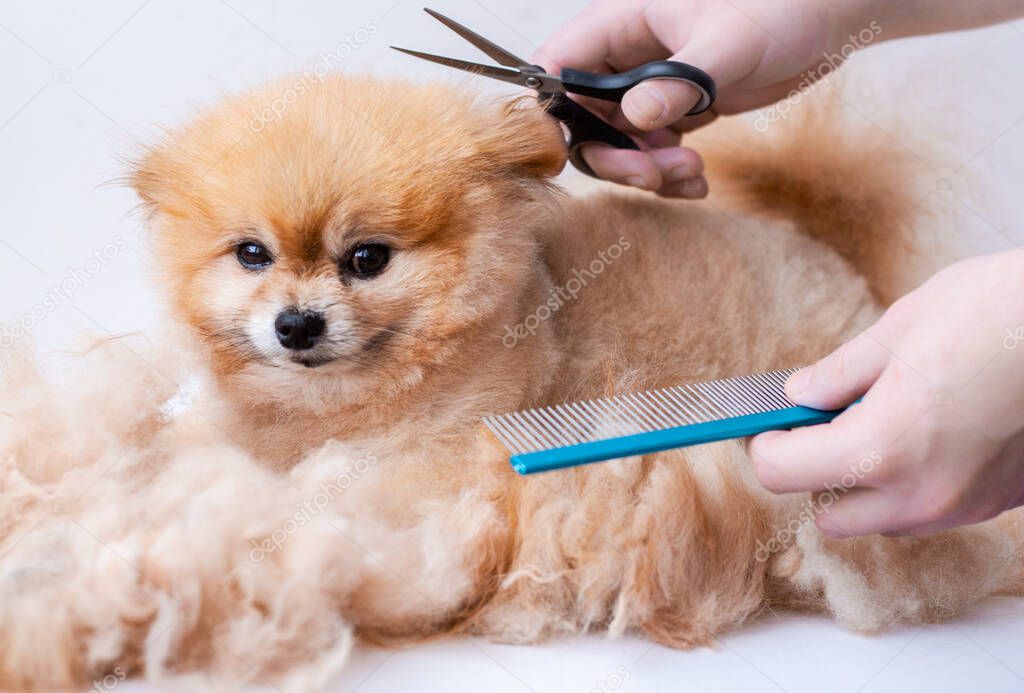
[646, 105]
[695, 185]
[829, 530]
[692, 188]
[593, 151]
[636, 182]
[680, 173]
[798, 382]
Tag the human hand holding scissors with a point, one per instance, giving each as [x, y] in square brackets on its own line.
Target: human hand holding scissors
[585, 129]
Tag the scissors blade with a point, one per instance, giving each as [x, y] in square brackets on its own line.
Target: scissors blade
[503, 73]
[494, 51]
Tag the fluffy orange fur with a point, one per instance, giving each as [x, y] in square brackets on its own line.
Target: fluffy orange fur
[431, 531]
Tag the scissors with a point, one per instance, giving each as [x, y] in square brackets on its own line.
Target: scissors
[584, 127]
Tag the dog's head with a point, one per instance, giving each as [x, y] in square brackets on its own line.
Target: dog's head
[347, 231]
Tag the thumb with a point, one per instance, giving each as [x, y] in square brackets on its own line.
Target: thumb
[658, 103]
[841, 377]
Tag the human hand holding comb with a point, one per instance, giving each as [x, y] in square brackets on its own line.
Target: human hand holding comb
[942, 417]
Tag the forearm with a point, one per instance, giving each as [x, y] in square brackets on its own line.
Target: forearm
[919, 17]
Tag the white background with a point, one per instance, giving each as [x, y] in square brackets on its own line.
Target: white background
[82, 84]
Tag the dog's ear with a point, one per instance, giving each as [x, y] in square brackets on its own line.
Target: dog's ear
[524, 139]
[164, 182]
[151, 178]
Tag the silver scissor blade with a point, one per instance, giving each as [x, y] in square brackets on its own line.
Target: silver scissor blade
[494, 51]
[503, 73]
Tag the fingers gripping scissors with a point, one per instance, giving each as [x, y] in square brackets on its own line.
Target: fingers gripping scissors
[584, 127]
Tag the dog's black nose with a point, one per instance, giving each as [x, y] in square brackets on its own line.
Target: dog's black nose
[298, 330]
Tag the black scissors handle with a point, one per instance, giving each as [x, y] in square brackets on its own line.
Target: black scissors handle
[584, 128]
[614, 87]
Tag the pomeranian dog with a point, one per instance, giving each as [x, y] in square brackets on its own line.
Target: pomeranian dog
[377, 266]
[382, 264]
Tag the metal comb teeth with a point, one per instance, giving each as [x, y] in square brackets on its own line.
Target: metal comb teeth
[576, 423]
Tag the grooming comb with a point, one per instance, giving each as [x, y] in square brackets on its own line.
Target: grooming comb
[572, 434]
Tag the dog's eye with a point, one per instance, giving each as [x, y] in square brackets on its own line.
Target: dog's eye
[369, 259]
[253, 255]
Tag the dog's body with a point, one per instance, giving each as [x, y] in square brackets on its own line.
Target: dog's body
[500, 293]
[523, 297]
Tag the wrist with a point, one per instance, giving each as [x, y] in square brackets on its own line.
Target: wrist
[902, 19]
[894, 19]
[857, 23]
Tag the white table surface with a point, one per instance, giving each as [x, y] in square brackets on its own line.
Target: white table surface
[84, 83]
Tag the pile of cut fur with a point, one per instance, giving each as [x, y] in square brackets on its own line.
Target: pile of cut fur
[137, 539]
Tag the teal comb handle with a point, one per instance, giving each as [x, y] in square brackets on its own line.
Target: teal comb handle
[671, 438]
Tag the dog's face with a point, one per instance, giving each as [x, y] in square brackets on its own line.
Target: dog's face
[350, 234]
